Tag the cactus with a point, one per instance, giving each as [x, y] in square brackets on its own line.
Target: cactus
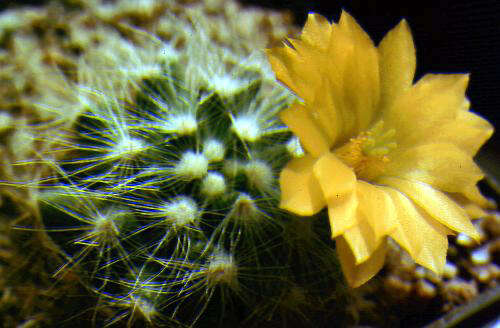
[163, 196]
[159, 185]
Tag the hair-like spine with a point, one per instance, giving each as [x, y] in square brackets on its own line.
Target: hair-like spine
[163, 196]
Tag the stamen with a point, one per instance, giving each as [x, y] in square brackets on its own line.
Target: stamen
[379, 142]
[367, 153]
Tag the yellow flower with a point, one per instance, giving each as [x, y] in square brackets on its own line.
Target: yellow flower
[388, 157]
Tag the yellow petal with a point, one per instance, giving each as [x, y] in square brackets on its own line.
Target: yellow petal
[300, 191]
[469, 132]
[342, 214]
[435, 100]
[356, 275]
[316, 31]
[294, 71]
[310, 133]
[341, 47]
[319, 104]
[433, 253]
[278, 59]
[361, 240]
[473, 194]
[352, 73]
[435, 203]
[418, 233]
[441, 165]
[397, 63]
[324, 110]
[361, 75]
[338, 183]
[335, 178]
[473, 210]
[349, 25]
[377, 208]
[319, 114]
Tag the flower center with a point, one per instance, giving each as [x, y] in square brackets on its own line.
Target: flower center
[367, 153]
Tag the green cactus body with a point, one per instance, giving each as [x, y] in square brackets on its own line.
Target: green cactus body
[165, 200]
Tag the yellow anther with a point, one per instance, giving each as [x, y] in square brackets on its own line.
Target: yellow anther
[367, 153]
